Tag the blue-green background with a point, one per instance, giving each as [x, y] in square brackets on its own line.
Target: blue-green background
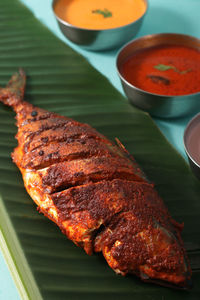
[181, 16]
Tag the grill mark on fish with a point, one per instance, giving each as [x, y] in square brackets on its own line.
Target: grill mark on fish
[55, 129]
[38, 118]
[68, 150]
[60, 134]
[103, 192]
[55, 157]
[51, 139]
[44, 125]
[26, 136]
[63, 175]
[27, 114]
[95, 179]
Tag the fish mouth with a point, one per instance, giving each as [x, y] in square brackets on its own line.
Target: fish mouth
[186, 285]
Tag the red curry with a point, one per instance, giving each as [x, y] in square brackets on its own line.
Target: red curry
[165, 70]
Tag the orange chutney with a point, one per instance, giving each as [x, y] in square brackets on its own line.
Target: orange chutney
[100, 14]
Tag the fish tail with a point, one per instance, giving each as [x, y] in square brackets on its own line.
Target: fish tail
[13, 93]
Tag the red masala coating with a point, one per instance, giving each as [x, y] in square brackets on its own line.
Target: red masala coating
[81, 171]
[95, 192]
[138, 229]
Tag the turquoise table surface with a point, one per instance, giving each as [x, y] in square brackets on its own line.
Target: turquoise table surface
[181, 16]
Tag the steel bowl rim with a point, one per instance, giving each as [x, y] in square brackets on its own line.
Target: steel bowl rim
[148, 37]
[99, 30]
[184, 139]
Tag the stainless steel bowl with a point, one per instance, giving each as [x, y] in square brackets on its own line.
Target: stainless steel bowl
[192, 144]
[96, 40]
[159, 105]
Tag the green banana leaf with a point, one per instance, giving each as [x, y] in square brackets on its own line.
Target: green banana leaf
[45, 265]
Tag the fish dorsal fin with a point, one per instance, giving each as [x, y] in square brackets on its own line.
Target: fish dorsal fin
[126, 154]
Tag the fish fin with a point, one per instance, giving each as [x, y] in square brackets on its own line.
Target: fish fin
[13, 93]
[125, 152]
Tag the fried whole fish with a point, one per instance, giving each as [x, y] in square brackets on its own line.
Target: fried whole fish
[96, 193]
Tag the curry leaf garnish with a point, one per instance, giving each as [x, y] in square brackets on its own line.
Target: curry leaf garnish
[185, 71]
[162, 67]
[105, 13]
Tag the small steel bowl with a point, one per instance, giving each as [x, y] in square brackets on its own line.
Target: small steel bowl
[96, 40]
[158, 105]
[192, 144]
